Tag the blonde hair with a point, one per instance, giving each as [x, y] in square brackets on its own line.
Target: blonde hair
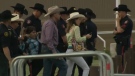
[70, 24]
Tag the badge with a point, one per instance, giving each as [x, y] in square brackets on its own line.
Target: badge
[6, 34]
[28, 21]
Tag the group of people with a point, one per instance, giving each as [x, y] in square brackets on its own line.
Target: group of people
[56, 35]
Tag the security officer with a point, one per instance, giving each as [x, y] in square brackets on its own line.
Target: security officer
[19, 9]
[15, 39]
[61, 25]
[34, 18]
[122, 32]
[5, 43]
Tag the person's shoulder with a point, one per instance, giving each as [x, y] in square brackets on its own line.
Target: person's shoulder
[48, 23]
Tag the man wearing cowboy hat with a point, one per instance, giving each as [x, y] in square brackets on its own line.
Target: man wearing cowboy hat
[19, 9]
[5, 42]
[49, 40]
[122, 31]
[61, 25]
[34, 20]
[15, 39]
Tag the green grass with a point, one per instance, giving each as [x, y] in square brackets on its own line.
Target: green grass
[95, 63]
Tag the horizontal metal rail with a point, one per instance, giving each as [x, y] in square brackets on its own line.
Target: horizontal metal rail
[88, 53]
[124, 74]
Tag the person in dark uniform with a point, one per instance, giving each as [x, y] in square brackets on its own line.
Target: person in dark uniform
[5, 43]
[61, 25]
[122, 31]
[34, 20]
[14, 37]
[19, 9]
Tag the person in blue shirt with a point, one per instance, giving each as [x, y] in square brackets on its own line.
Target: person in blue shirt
[35, 65]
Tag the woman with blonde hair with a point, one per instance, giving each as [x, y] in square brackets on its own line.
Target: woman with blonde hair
[73, 31]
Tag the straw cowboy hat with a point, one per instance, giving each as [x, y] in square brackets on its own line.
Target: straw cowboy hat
[39, 7]
[16, 18]
[6, 15]
[122, 7]
[54, 9]
[75, 15]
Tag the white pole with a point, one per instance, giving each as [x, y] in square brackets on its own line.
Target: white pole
[117, 4]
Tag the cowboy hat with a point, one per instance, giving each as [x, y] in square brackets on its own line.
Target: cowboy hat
[54, 9]
[39, 7]
[6, 15]
[82, 11]
[122, 7]
[65, 10]
[16, 18]
[90, 13]
[72, 9]
[75, 15]
[20, 8]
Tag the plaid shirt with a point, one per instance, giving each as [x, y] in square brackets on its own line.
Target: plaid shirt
[33, 46]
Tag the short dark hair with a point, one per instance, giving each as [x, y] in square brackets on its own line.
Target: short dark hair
[29, 29]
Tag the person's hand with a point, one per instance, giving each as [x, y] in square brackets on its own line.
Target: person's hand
[88, 36]
[21, 38]
[10, 62]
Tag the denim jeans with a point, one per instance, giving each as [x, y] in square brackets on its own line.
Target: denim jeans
[48, 62]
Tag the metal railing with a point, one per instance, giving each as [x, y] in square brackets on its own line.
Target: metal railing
[16, 68]
[103, 40]
[87, 53]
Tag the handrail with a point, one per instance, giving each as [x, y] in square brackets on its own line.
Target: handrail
[59, 55]
[103, 40]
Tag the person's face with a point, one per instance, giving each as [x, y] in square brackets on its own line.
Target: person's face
[33, 34]
[78, 21]
[19, 13]
[121, 13]
[15, 24]
[37, 13]
[57, 16]
[65, 16]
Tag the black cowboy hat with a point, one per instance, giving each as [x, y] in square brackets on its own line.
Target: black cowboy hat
[6, 15]
[82, 11]
[72, 9]
[65, 10]
[20, 8]
[39, 7]
[90, 13]
[122, 7]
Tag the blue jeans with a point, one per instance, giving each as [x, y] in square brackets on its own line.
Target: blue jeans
[48, 62]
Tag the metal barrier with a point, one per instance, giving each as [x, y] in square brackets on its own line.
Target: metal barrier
[20, 66]
[104, 42]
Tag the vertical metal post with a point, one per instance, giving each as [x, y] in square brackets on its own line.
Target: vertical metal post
[117, 4]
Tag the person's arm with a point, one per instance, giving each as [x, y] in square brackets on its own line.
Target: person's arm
[48, 31]
[61, 29]
[78, 36]
[5, 43]
[119, 28]
[7, 53]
